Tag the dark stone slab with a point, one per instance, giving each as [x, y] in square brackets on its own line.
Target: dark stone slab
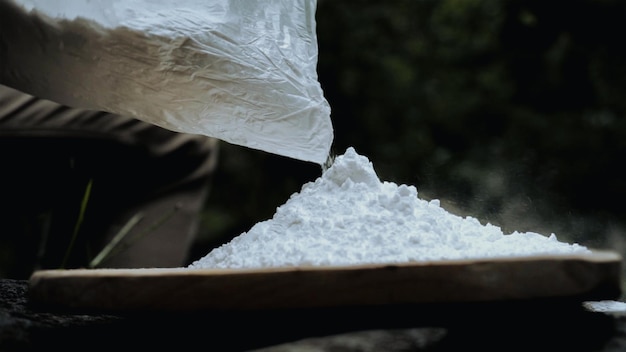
[530, 325]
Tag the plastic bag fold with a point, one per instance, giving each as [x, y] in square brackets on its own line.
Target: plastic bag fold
[243, 71]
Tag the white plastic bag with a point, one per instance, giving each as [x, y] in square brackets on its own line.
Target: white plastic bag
[243, 71]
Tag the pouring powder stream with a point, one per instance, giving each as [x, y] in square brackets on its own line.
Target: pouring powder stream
[348, 216]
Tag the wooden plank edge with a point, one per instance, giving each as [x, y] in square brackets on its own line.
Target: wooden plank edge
[594, 276]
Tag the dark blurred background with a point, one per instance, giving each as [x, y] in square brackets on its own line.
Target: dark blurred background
[513, 112]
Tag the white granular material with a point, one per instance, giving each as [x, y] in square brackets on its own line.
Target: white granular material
[349, 217]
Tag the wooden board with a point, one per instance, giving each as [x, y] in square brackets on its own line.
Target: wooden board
[583, 277]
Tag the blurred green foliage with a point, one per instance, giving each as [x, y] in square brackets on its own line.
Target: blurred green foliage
[509, 111]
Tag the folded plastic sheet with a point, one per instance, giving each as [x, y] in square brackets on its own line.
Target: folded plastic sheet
[243, 71]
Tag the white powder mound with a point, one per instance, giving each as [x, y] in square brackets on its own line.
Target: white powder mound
[349, 217]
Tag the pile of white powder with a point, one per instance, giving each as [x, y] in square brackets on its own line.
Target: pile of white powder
[349, 217]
